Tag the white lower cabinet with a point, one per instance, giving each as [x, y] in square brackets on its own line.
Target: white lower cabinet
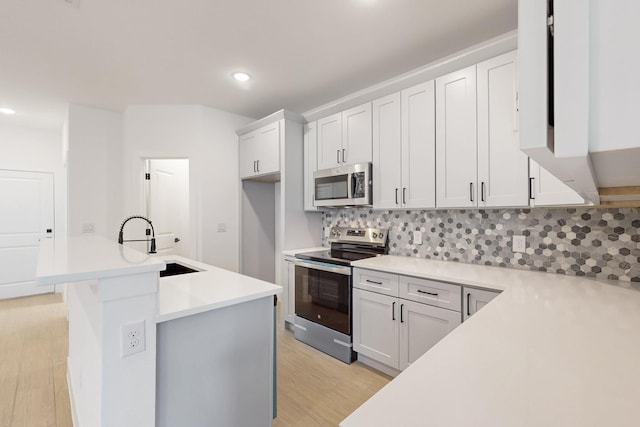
[474, 299]
[396, 331]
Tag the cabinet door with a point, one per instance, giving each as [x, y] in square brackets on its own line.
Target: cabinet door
[356, 135]
[310, 164]
[247, 154]
[421, 327]
[547, 190]
[387, 154]
[474, 299]
[456, 174]
[418, 146]
[330, 141]
[375, 326]
[269, 149]
[503, 170]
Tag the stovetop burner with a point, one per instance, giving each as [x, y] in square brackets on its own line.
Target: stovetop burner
[350, 244]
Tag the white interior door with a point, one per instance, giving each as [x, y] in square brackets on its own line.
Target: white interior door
[168, 204]
[26, 216]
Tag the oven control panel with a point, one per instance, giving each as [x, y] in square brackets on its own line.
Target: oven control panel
[374, 236]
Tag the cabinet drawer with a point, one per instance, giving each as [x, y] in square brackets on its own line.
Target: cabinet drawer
[432, 292]
[375, 281]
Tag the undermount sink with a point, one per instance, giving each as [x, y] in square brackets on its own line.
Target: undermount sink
[174, 269]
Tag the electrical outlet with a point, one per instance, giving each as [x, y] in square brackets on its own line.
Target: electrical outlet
[133, 338]
[417, 237]
[88, 228]
[222, 227]
[519, 243]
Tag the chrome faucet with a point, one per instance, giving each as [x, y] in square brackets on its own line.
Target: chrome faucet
[152, 249]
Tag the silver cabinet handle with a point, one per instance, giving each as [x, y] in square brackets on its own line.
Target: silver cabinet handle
[482, 191]
[257, 165]
[344, 155]
[468, 304]
[471, 191]
[401, 317]
[338, 156]
[254, 165]
[404, 195]
[374, 282]
[420, 291]
[393, 310]
[396, 196]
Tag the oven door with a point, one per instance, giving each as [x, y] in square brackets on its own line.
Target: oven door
[323, 294]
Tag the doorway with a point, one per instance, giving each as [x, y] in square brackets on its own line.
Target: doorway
[27, 215]
[167, 204]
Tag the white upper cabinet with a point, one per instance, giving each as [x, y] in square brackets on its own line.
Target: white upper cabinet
[330, 141]
[356, 135]
[419, 146]
[547, 190]
[387, 152]
[404, 149]
[456, 144]
[502, 167]
[310, 164]
[259, 151]
[345, 138]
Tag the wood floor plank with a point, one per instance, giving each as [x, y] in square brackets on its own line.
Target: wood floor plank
[314, 390]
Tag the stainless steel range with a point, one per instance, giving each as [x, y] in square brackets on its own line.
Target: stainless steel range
[323, 289]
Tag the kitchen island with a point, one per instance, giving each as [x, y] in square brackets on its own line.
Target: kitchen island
[550, 350]
[111, 289]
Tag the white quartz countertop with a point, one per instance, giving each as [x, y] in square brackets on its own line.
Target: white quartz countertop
[550, 350]
[75, 259]
[208, 289]
[293, 252]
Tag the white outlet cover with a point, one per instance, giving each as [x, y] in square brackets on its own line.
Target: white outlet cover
[519, 243]
[417, 237]
[133, 338]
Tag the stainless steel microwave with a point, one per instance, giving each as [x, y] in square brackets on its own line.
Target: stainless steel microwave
[343, 186]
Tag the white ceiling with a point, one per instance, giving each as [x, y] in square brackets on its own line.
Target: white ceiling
[301, 53]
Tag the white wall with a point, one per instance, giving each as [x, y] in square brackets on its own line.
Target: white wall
[94, 141]
[30, 149]
[207, 138]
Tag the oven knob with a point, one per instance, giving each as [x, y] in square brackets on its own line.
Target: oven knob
[374, 235]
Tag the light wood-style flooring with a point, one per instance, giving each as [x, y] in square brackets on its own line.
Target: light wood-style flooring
[313, 389]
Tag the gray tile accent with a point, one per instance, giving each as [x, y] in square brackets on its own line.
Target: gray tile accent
[601, 243]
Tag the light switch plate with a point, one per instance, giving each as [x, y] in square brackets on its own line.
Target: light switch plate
[417, 237]
[519, 243]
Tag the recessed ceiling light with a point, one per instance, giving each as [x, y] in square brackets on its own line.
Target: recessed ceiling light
[7, 111]
[241, 77]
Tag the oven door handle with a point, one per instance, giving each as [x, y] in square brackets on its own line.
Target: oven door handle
[339, 269]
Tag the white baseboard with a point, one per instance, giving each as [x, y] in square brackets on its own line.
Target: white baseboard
[378, 366]
[16, 290]
[74, 415]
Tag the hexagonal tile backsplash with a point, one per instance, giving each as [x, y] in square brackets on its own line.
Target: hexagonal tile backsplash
[602, 243]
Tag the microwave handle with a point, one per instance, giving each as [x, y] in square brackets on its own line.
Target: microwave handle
[351, 185]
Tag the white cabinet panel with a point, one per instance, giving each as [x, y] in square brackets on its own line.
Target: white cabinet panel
[421, 327]
[419, 146]
[259, 151]
[547, 190]
[431, 292]
[456, 145]
[330, 141]
[502, 167]
[247, 153]
[387, 154]
[310, 164]
[375, 326]
[268, 160]
[474, 299]
[356, 135]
